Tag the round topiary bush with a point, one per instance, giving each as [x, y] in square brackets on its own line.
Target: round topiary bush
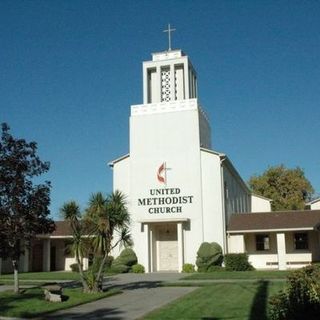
[119, 268]
[138, 268]
[209, 254]
[124, 261]
[127, 257]
[188, 268]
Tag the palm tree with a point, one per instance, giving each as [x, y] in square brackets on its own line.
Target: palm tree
[106, 217]
[71, 212]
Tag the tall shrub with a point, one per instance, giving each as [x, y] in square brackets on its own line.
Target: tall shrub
[124, 262]
[209, 254]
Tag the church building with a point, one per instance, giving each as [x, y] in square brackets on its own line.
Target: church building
[180, 191]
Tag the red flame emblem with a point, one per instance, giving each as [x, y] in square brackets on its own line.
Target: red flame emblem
[161, 174]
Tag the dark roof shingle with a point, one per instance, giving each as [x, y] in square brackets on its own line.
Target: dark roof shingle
[278, 220]
[63, 228]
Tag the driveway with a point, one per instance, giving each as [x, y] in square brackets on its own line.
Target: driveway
[141, 294]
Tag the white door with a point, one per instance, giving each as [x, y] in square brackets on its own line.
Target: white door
[168, 248]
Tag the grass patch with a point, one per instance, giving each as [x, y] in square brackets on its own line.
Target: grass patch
[54, 275]
[42, 277]
[222, 301]
[225, 275]
[31, 303]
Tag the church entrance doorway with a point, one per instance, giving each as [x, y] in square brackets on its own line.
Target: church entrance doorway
[167, 247]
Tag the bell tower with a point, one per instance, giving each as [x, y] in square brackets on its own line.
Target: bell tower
[170, 76]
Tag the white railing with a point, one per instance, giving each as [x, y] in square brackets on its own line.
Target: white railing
[171, 106]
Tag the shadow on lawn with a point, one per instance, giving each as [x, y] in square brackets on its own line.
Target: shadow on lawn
[8, 301]
[133, 285]
[106, 313]
[259, 304]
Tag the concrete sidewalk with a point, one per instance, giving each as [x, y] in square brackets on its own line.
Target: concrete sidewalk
[141, 294]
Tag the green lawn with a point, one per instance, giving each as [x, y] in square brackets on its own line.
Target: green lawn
[237, 301]
[57, 275]
[254, 275]
[38, 278]
[31, 303]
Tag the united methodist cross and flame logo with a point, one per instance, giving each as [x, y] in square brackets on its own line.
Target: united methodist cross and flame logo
[161, 173]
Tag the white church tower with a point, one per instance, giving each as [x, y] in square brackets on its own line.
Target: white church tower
[180, 192]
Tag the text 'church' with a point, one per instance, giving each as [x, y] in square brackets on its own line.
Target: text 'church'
[182, 193]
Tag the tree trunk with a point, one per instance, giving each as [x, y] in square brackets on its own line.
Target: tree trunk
[15, 276]
[99, 280]
[82, 278]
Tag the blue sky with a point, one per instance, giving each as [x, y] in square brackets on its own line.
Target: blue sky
[69, 71]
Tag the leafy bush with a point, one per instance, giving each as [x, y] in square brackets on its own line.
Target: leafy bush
[126, 257]
[108, 263]
[97, 261]
[74, 267]
[95, 264]
[301, 300]
[188, 268]
[237, 262]
[215, 269]
[138, 268]
[124, 261]
[209, 254]
[119, 268]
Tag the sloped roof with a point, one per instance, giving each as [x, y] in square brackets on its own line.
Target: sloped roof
[63, 228]
[277, 220]
[111, 163]
[313, 201]
[259, 196]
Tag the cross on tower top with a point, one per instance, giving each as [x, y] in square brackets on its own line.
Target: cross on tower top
[169, 30]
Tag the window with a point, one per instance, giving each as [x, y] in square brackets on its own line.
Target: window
[262, 242]
[301, 241]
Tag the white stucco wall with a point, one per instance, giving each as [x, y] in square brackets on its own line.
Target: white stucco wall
[315, 205]
[166, 132]
[260, 204]
[236, 243]
[121, 177]
[282, 252]
[212, 194]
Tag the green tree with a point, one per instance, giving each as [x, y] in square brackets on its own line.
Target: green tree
[23, 205]
[289, 189]
[104, 225]
[109, 219]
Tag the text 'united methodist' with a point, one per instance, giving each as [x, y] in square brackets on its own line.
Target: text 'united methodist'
[166, 200]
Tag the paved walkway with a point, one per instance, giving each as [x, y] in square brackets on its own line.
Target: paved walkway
[141, 294]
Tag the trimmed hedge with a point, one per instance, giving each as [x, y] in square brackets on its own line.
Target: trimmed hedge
[209, 254]
[237, 262]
